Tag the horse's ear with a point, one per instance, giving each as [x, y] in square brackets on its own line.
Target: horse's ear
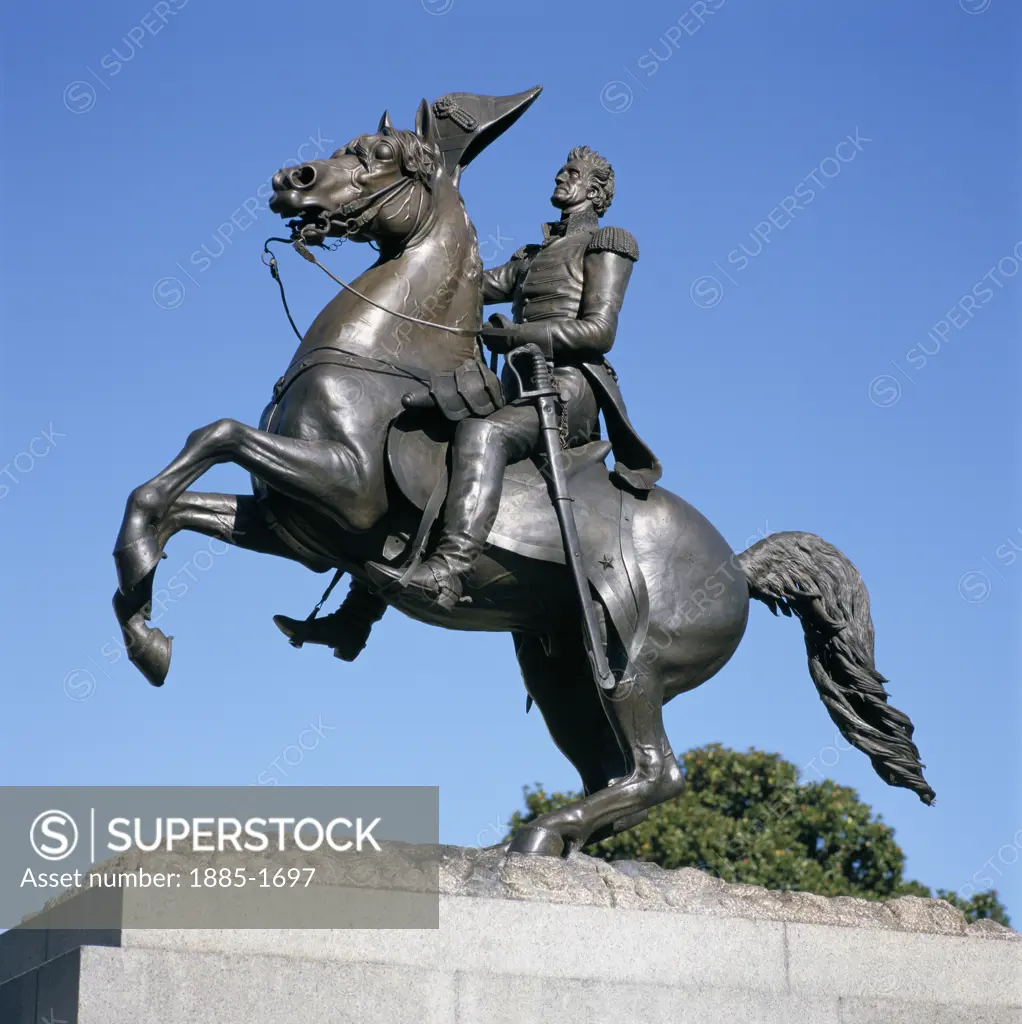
[425, 123]
[385, 125]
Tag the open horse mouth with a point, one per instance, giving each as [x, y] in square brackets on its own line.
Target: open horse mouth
[292, 197]
[309, 219]
[313, 226]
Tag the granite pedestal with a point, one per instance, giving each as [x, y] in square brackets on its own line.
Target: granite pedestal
[525, 940]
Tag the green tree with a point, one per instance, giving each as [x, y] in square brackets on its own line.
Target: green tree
[746, 818]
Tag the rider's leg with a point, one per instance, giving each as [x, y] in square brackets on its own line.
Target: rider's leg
[482, 450]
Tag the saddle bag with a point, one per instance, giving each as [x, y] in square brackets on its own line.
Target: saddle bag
[471, 389]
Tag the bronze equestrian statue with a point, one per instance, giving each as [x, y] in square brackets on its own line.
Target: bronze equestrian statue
[388, 413]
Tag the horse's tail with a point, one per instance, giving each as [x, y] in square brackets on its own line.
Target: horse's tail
[800, 573]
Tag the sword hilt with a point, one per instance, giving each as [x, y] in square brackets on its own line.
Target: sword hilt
[538, 369]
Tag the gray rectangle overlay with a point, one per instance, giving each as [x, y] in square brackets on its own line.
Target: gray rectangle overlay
[363, 857]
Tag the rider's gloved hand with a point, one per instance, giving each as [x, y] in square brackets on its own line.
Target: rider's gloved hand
[535, 334]
[500, 343]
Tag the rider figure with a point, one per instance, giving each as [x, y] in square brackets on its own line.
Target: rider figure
[566, 294]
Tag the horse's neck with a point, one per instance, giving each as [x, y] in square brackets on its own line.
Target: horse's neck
[436, 279]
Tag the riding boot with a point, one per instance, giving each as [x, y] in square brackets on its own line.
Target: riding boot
[346, 630]
[473, 500]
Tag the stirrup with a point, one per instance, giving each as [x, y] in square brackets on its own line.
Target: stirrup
[422, 584]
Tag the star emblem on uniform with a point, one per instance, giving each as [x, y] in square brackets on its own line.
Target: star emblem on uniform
[607, 562]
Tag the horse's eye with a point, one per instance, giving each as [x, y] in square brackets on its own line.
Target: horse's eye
[384, 151]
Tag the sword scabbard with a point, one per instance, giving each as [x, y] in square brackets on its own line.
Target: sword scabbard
[550, 429]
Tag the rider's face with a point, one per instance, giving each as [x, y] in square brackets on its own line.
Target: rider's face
[571, 186]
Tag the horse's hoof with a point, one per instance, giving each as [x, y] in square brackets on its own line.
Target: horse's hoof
[537, 842]
[153, 660]
[148, 648]
[136, 560]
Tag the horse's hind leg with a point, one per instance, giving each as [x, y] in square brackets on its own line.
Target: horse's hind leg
[633, 713]
[231, 518]
[561, 685]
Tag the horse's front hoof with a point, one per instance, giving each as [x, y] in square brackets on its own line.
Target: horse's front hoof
[148, 648]
[537, 842]
[136, 560]
[153, 661]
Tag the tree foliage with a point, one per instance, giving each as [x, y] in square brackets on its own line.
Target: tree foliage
[745, 817]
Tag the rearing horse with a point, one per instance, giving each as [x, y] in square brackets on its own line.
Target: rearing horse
[673, 597]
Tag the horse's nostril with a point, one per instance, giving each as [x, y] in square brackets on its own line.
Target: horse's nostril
[303, 177]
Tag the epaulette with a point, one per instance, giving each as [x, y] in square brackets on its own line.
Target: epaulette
[525, 252]
[614, 240]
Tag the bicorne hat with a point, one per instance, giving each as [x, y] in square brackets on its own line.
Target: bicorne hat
[465, 124]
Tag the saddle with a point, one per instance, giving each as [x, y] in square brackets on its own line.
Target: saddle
[526, 523]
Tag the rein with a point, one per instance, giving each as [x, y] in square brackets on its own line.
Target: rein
[303, 251]
[297, 242]
[299, 246]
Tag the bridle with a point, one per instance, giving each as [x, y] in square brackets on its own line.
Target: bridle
[363, 209]
[356, 214]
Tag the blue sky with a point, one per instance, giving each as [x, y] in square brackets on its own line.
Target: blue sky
[821, 334]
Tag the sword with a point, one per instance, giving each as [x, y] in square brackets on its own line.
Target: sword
[543, 391]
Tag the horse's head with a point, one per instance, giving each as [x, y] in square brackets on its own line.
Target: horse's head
[380, 187]
[376, 187]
